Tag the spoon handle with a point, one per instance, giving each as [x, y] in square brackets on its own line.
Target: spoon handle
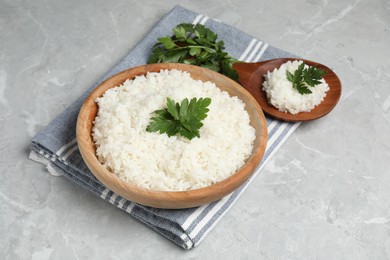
[249, 77]
[245, 69]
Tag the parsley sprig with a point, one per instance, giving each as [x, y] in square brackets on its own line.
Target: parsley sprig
[195, 45]
[184, 118]
[303, 78]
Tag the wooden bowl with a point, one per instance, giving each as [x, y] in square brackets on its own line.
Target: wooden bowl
[170, 199]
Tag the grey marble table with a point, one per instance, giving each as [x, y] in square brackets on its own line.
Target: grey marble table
[324, 195]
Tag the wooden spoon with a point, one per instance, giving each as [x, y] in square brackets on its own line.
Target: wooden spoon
[251, 77]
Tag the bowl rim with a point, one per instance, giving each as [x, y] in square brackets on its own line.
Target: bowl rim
[157, 198]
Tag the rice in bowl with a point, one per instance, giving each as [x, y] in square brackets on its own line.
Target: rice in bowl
[159, 162]
[282, 95]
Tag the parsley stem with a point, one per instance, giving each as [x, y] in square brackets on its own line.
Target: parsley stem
[194, 46]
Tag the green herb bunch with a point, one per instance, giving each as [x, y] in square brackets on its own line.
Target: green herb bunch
[185, 118]
[303, 78]
[195, 45]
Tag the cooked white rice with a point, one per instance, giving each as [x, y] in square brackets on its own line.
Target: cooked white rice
[284, 97]
[159, 162]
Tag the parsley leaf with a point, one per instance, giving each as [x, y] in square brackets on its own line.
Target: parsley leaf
[312, 76]
[303, 78]
[195, 45]
[167, 42]
[184, 118]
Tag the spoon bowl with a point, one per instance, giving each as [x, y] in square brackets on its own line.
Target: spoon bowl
[251, 77]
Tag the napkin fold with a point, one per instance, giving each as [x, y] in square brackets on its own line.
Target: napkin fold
[56, 145]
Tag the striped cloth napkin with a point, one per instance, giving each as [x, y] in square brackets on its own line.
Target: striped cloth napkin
[56, 145]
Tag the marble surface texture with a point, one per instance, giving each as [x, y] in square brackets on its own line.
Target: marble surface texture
[324, 195]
